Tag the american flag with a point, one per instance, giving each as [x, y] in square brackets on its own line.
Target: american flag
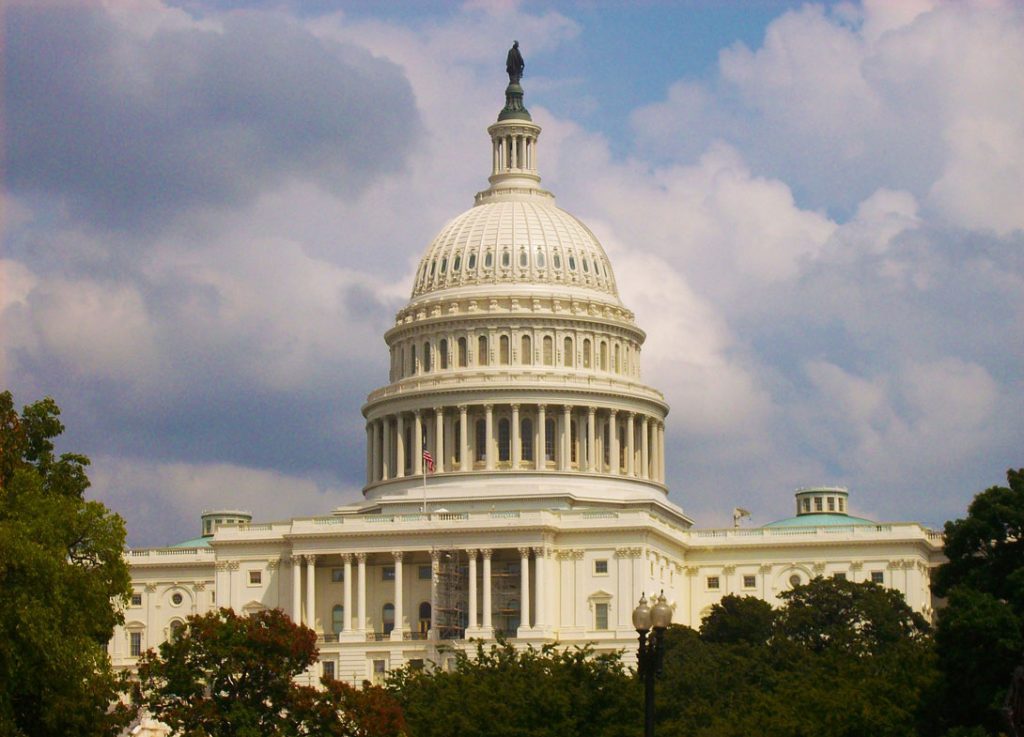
[428, 460]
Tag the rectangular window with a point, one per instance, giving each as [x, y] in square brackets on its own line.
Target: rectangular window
[387, 573]
[749, 582]
[839, 576]
[713, 583]
[337, 575]
[136, 599]
[841, 504]
[831, 504]
[601, 567]
[601, 616]
[817, 504]
[807, 505]
[877, 577]
[379, 671]
[255, 578]
[416, 664]
[424, 573]
[136, 643]
[329, 669]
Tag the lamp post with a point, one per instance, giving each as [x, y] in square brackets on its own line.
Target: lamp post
[650, 623]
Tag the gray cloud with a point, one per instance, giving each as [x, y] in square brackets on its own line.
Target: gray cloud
[131, 130]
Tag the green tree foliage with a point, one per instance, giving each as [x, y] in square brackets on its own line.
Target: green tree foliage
[502, 692]
[63, 580]
[739, 619]
[227, 675]
[979, 633]
[858, 670]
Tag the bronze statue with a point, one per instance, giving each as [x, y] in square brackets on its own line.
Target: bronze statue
[514, 64]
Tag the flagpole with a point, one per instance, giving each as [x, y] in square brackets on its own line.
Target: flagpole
[424, 488]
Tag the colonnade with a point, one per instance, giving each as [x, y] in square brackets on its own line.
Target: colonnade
[488, 437]
[514, 152]
[480, 623]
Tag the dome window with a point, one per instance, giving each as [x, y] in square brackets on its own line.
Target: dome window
[433, 267]
[471, 263]
[524, 260]
[540, 259]
[457, 263]
[572, 263]
[557, 261]
[444, 265]
[506, 259]
[586, 266]
[488, 260]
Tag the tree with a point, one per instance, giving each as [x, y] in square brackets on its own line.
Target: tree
[64, 580]
[226, 675]
[739, 619]
[985, 550]
[502, 692]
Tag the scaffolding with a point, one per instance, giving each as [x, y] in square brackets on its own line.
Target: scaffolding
[451, 575]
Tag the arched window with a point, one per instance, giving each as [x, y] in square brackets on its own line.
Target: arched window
[488, 260]
[337, 618]
[504, 440]
[567, 352]
[444, 265]
[526, 437]
[424, 612]
[586, 353]
[442, 349]
[462, 353]
[549, 351]
[457, 263]
[526, 351]
[604, 355]
[471, 263]
[426, 357]
[557, 260]
[481, 351]
[524, 260]
[506, 259]
[481, 440]
[540, 259]
[618, 359]
[387, 618]
[572, 262]
[176, 628]
[412, 360]
[549, 439]
[504, 351]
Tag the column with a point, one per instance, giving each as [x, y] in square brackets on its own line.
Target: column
[417, 451]
[524, 589]
[539, 564]
[516, 447]
[591, 447]
[661, 451]
[346, 619]
[472, 587]
[487, 625]
[361, 619]
[369, 452]
[399, 446]
[439, 460]
[565, 437]
[376, 450]
[435, 557]
[489, 436]
[515, 151]
[296, 589]
[645, 456]
[613, 434]
[386, 467]
[397, 632]
[630, 441]
[464, 437]
[311, 591]
[540, 452]
[581, 442]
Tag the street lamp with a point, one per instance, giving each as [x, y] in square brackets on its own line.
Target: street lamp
[652, 649]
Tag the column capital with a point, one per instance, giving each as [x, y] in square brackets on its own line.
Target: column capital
[540, 552]
[435, 555]
[486, 553]
[398, 554]
[613, 413]
[541, 406]
[567, 408]
[310, 559]
[360, 557]
[472, 552]
[591, 411]
[514, 406]
[463, 407]
[524, 552]
[417, 413]
[438, 410]
[630, 414]
[346, 557]
[489, 406]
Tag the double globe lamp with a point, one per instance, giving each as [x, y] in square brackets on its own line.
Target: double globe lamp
[650, 622]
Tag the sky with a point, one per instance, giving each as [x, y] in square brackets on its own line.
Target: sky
[213, 210]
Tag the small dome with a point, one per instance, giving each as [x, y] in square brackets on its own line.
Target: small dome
[515, 240]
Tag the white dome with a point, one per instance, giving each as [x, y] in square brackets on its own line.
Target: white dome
[524, 240]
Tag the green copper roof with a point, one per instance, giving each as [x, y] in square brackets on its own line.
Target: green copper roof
[196, 542]
[514, 108]
[820, 520]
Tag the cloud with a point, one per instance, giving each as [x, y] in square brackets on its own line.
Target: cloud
[131, 124]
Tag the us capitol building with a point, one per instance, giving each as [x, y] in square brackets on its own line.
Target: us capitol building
[515, 373]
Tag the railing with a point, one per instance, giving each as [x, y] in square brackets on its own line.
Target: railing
[417, 635]
[378, 636]
[327, 637]
[514, 514]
